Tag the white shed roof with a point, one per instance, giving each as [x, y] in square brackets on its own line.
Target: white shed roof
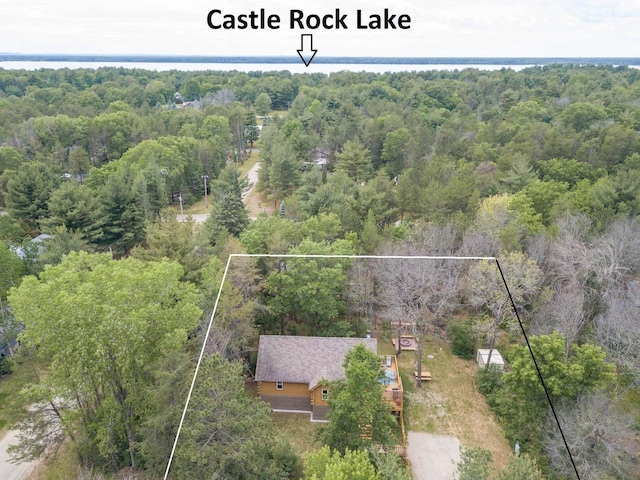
[496, 358]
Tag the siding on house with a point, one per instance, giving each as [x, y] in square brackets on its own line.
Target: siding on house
[305, 365]
[288, 390]
[316, 396]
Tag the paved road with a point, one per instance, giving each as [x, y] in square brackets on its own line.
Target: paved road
[433, 457]
[10, 471]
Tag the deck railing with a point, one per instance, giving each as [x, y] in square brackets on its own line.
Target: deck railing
[395, 398]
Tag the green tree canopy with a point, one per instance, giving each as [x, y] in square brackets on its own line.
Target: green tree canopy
[474, 463]
[263, 103]
[584, 369]
[28, 191]
[73, 206]
[394, 151]
[567, 373]
[227, 433]
[307, 293]
[581, 115]
[10, 159]
[358, 414]
[229, 212]
[522, 467]
[355, 161]
[101, 324]
[326, 464]
[10, 231]
[12, 270]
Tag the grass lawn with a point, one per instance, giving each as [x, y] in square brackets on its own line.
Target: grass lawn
[61, 465]
[299, 430]
[450, 403]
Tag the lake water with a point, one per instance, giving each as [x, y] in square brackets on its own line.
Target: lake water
[326, 68]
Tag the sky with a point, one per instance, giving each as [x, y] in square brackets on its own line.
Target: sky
[443, 28]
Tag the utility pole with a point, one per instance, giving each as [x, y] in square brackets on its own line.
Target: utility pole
[181, 212]
[204, 178]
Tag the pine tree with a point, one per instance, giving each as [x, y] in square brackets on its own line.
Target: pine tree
[29, 190]
[355, 161]
[229, 213]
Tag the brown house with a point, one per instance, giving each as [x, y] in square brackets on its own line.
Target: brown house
[292, 372]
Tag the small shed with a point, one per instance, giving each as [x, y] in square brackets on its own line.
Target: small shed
[483, 355]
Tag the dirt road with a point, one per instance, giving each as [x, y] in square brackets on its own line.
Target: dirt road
[197, 217]
[10, 471]
[252, 174]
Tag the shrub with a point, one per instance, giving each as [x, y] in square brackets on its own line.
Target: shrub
[489, 379]
[5, 366]
[474, 463]
[462, 342]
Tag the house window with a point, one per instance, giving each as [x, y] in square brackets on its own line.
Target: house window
[325, 394]
[279, 386]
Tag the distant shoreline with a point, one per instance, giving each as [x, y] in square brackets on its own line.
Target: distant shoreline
[614, 61]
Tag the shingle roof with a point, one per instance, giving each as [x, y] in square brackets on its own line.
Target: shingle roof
[304, 359]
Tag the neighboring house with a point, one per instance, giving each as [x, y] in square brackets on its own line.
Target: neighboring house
[8, 342]
[320, 159]
[192, 104]
[293, 372]
[39, 241]
[9, 330]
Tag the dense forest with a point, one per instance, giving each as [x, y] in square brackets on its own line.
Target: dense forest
[539, 168]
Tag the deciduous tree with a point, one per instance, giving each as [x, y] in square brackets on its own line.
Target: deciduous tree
[522, 404]
[358, 414]
[12, 270]
[486, 289]
[307, 293]
[521, 467]
[419, 292]
[10, 159]
[263, 103]
[101, 324]
[617, 328]
[326, 464]
[474, 463]
[602, 440]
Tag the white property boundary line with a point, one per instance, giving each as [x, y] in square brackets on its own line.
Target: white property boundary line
[380, 257]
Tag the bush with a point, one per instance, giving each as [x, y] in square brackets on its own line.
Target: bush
[474, 463]
[462, 342]
[5, 366]
[489, 379]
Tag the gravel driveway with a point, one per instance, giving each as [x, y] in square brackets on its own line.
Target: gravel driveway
[433, 457]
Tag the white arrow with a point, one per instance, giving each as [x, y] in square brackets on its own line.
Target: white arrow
[307, 52]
